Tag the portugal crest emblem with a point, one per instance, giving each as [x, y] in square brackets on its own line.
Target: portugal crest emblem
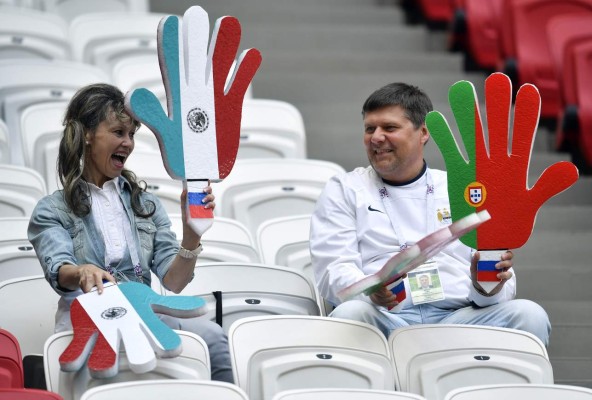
[475, 194]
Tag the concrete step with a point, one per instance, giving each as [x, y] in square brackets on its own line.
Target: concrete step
[309, 88]
[570, 348]
[557, 248]
[331, 61]
[306, 37]
[558, 218]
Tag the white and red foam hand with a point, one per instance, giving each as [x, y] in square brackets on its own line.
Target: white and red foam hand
[199, 137]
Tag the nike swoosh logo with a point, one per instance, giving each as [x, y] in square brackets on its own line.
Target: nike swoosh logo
[373, 209]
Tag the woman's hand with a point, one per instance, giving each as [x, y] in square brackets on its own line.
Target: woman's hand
[85, 277]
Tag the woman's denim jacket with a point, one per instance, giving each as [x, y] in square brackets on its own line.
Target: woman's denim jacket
[60, 237]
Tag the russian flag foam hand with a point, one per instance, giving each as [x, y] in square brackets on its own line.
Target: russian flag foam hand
[199, 137]
[124, 312]
[496, 178]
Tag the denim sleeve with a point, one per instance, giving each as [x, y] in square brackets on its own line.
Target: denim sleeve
[52, 240]
[166, 245]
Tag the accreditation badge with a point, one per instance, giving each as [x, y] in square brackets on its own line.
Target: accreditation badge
[425, 284]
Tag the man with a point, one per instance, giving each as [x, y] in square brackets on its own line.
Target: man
[365, 216]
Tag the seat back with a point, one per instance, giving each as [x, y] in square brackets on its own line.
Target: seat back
[24, 82]
[28, 394]
[70, 9]
[483, 32]
[285, 241]
[271, 128]
[41, 130]
[192, 363]
[17, 256]
[11, 361]
[226, 241]
[276, 353]
[28, 306]
[28, 33]
[345, 394]
[583, 71]
[433, 359]
[178, 389]
[563, 33]
[20, 190]
[103, 38]
[260, 189]
[520, 392]
[4, 143]
[249, 289]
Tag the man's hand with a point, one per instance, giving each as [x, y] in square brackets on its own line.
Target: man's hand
[504, 267]
[496, 180]
[384, 297]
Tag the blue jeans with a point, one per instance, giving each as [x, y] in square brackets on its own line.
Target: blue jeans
[214, 337]
[519, 314]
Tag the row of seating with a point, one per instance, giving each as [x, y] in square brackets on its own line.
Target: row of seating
[271, 354]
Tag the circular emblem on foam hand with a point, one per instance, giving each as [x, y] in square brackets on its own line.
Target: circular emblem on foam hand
[113, 313]
[475, 194]
[198, 120]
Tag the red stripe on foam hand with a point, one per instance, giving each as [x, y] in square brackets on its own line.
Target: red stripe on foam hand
[102, 357]
[200, 212]
[487, 276]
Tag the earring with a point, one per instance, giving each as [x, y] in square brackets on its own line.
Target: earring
[86, 142]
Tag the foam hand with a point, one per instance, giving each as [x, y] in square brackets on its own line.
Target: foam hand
[199, 137]
[496, 180]
[124, 312]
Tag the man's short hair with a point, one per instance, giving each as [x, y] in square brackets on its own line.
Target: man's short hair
[411, 98]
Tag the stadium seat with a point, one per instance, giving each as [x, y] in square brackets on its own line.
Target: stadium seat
[226, 241]
[102, 39]
[432, 359]
[345, 394]
[28, 394]
[271, 128]
[20, 190]
[583, 70]
[533, 62]
[17, 257]
[260, 189]
[520, 392]
[178, 389]
[437, 11]
[70, 9]
[28, 81]
[247, 289]
[11, 361]
[285, 241]
[4, 143]
[28, 33]
[193, 363]
[28, 306]
[41, 131]
[564, 32]
[483, 32]
[276, 353]
[139, 71]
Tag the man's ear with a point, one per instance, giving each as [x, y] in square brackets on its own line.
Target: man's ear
[425, 134]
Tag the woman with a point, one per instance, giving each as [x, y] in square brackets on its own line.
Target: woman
[104, 225]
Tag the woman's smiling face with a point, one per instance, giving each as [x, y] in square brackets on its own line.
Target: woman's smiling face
[108, 148]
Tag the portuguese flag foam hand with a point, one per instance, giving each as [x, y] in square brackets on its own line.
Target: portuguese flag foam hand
[495, 177]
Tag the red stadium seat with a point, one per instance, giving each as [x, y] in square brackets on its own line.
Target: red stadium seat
[483, 32]
[583, 70]
[527, 22]
[11, 362]
[437, 10]
[28, 394]
[564, 32]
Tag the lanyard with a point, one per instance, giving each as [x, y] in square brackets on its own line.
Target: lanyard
[131, 246]
[388, 207]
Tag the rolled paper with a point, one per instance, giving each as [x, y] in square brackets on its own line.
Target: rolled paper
[398, 289]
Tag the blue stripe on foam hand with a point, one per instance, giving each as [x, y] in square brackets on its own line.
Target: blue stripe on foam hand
[195, 198]
[488, 265]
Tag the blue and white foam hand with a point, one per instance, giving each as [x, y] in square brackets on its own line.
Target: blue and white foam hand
[199, 137]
